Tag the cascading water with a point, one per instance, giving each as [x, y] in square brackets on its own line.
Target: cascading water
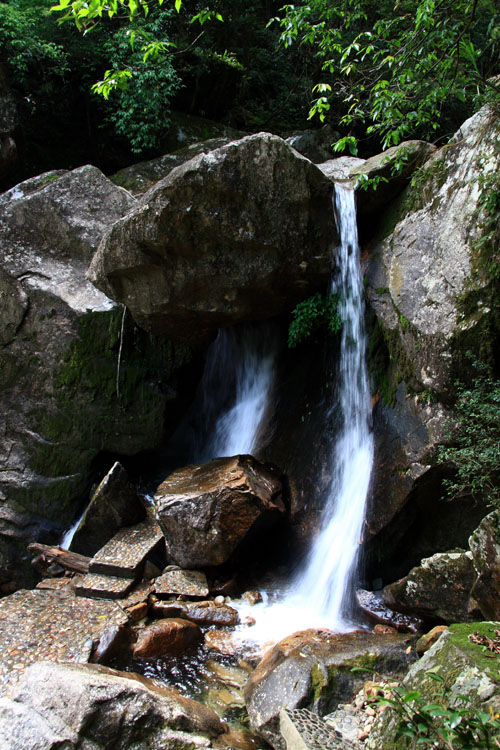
[319, 596]
[237, 428]
[233, 397]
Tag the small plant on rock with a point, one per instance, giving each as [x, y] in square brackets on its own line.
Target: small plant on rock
[473, 450]
[461, 726]
[310, 314]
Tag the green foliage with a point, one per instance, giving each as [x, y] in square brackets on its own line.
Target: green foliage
[141, 81]
[310, 314]
[473, 449]
[394, 65]
[26, 43]
[446, 723]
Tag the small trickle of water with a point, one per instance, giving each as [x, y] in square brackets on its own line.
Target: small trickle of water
[68, 535]
[320, 596]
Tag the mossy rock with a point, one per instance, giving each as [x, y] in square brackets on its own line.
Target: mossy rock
[317, 669]
[467, 668]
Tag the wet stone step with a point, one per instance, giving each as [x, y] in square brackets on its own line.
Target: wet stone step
[104, 587]
[304, 730]
[124, 555]
[50, 626]
[176, 581]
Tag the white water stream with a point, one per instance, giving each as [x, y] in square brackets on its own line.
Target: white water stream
[235, 392]
[68, 535]
[320, 594]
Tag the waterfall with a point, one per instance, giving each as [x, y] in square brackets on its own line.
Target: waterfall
[319, 595]
[228, 414]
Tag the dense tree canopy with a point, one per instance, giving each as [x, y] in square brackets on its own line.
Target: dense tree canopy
[378, 72]
[396, 66]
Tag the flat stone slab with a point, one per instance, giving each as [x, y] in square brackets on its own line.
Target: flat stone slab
[125, 554]
[178, 581]
[42, 625]
[104, 587]
[304, 730]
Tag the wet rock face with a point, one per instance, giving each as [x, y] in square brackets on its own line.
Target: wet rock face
[202, 613]
[60, 404]
[313, 669]
[429, 307]
[73, 706]
[437, 589]
[240, 233]
[205, 511]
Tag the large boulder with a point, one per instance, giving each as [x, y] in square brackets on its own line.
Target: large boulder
[140, 177]
[485, 547]
[76, 376]
[74, 706]
[438, 589]
[240, 233]
[466, 668]
[206, 511]
[314, 669]
[423, 267]
[170, 635]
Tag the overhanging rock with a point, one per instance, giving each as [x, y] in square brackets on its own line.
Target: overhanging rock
[243, 232]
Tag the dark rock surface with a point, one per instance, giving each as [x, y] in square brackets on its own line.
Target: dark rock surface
[241, 233]
[315, 144]
[206, 511]
[203, 613]
[313, 669]
[72, 706]
[114, 504]
[9, 124]
[62, 400]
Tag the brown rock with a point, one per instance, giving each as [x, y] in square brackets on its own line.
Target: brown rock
[167, 636]
[252, 597]
[137, 611]
[206, 510]
[429, 639]
[202, 613]
[221, 641]
[380, 629]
